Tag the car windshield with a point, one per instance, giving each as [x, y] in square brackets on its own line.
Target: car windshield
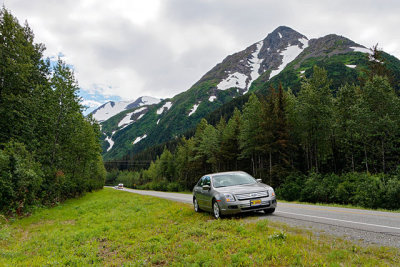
[231, 179]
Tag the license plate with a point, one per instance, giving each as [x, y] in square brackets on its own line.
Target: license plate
[255, 202]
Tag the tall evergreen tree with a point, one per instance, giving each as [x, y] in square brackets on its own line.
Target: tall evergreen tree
[41, 120]
[22, 71]
[380, 116]
[230, 148]
[346, 111]
[250, 129]
[315, 113]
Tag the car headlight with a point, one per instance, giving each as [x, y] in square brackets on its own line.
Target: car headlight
[229, 197]
[271, 192]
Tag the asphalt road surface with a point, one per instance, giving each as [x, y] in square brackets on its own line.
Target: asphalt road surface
[364, 226]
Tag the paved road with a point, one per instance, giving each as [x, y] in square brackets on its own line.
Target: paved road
[371, 227]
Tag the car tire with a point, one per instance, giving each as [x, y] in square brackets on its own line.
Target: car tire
[216, 210]
[196, 205]
[269, 211]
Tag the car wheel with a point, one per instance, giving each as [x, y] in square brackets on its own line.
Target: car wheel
[196, 205]
[216, 210]
[269, 211]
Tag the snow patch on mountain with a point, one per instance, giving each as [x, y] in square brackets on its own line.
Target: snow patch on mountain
[139, 110]
[288, 55]
[255, 64]
[167, 106]
[110, 141]
[361, 49]
[236, 79]
[148, 100]
[126, 119]
[280, 35]
[212, 98]
[112, 108]
[109, 109]
[351, 66]
[138, 139]
[193, 110]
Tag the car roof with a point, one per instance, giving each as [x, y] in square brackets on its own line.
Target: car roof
[218, 173]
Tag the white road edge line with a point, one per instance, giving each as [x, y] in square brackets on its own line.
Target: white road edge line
[339, 220]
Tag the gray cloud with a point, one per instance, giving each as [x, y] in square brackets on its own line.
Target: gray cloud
[161, 47]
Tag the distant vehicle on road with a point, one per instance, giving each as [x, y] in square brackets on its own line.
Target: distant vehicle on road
[231, 193]
[120, 186]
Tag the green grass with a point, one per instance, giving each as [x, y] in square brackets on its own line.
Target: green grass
[113, 227]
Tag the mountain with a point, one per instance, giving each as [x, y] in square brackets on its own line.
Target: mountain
[269, 56]
[284, 56]
[111, 108]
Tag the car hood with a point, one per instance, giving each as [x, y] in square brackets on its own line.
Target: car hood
[241, 189]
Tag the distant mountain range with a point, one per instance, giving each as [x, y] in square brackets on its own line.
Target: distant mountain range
[284, 56]
[111, 108]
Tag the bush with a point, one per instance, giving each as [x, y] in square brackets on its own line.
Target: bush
[111, 177]
[369, 191]
[174, 187]
[128, 178]
[360, 189]
[20, 179]
[155, 185]
[391, 198]
[292, 187]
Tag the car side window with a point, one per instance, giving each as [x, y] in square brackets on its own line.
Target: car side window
[201, 182]
[207, 181]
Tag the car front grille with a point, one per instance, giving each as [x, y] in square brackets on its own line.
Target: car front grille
[252, 195]
[256, 207]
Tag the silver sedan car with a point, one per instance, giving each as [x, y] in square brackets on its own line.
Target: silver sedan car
[232, 192]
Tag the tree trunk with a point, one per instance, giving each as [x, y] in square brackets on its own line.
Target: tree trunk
[316, 157]
[366, 158]
[270, 167]
[252, 164]
[59, 118]
[383, 156]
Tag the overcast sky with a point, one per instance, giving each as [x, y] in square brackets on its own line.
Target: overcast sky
[123, 49]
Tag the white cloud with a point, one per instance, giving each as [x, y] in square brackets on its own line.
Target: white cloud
[130, 48]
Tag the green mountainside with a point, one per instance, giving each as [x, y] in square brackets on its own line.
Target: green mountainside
[223, 87]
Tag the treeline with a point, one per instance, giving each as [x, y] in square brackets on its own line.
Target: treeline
[321, 131]
[48, 150]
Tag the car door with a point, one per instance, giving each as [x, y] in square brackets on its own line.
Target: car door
[207, 194]
[198, 192]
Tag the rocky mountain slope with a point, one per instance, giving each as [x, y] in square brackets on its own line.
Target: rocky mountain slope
[284, 56]
[111, 108]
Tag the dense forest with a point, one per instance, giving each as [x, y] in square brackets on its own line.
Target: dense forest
[48, 150]
[323, 144]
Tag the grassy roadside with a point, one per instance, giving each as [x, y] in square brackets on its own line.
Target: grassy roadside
[112, 227]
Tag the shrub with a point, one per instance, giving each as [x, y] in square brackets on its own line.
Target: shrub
[360, 189]
[292, 187]
[20, 179]
[391, 197]
[128, 178]
[369, 191]
[111, 177]
[174, 187]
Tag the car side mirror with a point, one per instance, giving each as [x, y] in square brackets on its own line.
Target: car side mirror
[206, 187]
[259, 180]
